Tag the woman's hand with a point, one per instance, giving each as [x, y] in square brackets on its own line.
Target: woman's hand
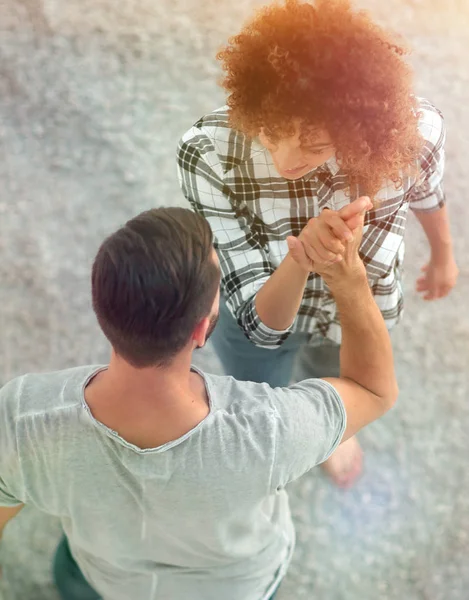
[438, 279]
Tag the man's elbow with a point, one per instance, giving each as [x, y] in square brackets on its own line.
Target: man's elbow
[390, 398]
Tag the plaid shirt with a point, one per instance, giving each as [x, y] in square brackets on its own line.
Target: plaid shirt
[230, 179]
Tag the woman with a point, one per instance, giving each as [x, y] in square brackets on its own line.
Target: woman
[320, 113]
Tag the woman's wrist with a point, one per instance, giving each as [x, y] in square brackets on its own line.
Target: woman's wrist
[442, 252]
[298, 269]
[279, 299]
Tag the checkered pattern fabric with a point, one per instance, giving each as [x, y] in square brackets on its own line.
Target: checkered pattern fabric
[231, 180]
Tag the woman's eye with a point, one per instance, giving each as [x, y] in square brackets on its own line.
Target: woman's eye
[313, 150]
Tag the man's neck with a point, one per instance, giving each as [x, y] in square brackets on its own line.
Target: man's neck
[148, 407]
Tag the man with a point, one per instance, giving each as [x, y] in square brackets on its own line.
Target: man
[320, 111]
[169, 482]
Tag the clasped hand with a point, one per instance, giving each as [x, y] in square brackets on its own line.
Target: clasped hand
[330, 238]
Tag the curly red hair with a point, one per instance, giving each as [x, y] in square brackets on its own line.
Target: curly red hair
[328, 66]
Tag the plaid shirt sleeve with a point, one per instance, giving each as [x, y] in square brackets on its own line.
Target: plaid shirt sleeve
[244, 262]
[382, 237]
[385, 225]
[428, 195]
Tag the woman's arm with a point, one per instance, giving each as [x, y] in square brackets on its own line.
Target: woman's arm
[279, 299]
[427, 200]
[264, 299]
[238, 239]
[441, 273]
[322, 240]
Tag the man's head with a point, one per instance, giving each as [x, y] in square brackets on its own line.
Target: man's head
[155, 286]
[318, 71]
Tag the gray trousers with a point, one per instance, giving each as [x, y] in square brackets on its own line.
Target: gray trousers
[294, 360]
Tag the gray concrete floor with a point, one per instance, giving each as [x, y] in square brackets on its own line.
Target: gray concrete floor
[93, 97]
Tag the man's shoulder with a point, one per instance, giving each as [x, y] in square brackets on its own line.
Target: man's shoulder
[242, 397]
[431, 122]
[213, 133]
[35, 393]
[296, 427]
[237, 396]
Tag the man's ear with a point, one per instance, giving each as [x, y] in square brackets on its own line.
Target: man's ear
[200, 333]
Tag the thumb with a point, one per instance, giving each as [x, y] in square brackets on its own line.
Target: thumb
[297, 252]
[355, 208]
[295, 247]
[356, 222]
[356, 212]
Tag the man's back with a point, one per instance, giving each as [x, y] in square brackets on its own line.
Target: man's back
[204, 516]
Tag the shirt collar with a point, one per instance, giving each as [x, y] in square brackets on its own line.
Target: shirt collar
[330, 167]
[333, 165]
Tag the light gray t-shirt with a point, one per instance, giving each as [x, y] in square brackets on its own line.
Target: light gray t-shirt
[204, 517]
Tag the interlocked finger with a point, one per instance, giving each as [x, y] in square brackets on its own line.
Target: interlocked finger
[337, 225]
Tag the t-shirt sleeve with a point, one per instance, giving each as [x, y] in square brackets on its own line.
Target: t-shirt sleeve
[10, 472]
[310, 423]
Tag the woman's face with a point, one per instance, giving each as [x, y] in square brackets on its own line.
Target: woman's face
[293, 158]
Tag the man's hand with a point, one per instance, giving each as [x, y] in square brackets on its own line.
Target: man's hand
[323, 241]
[438, 279]
[338, 273]
[6, 514]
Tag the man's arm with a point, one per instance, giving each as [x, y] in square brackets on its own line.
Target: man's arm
[10, 472]
[6, 514]
[314, 416]
[367, 383]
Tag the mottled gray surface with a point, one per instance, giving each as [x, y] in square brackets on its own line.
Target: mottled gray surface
[93, 97]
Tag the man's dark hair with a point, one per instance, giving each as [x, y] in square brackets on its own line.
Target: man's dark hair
[153, 281]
